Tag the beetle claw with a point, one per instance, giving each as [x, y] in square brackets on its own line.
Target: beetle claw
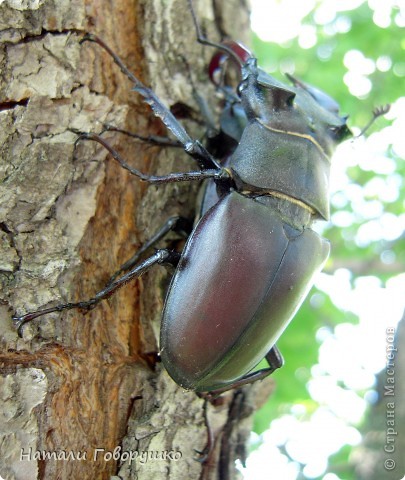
[206, 452]
[203, 455]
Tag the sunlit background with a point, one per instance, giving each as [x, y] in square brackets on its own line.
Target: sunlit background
[354, 50]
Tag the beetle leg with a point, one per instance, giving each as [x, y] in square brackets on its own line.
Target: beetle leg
[159, 257]
[205, 453]
[177, 224]
[193, 147]
[156, 140]
[275, 361]
[216, 174]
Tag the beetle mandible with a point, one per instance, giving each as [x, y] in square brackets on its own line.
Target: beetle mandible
[250, 260]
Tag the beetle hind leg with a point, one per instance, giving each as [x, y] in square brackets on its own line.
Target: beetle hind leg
[160, 257]
[180, 225]
[275, 360]
[205, 453]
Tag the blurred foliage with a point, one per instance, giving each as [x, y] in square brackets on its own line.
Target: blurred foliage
[378, 256]
[326, 70]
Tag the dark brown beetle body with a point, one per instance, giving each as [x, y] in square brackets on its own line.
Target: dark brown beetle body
[243, 267]
[251, 259]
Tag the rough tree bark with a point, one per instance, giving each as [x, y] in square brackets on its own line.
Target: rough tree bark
[70, 216]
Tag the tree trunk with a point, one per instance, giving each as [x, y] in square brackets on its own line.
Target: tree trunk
[83, 396]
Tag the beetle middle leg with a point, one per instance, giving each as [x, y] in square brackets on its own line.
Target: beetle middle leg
[219, 173]
[154, 140]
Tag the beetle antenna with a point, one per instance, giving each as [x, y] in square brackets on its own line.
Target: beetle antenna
[377, 112]
[201, 38]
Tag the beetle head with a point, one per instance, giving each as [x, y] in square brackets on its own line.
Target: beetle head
[299, 109]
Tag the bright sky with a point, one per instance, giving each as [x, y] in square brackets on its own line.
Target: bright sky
[377, 306]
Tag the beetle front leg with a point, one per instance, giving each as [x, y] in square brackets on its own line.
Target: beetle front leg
[193, 147]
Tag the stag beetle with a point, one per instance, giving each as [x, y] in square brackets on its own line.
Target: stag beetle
[251, 258]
